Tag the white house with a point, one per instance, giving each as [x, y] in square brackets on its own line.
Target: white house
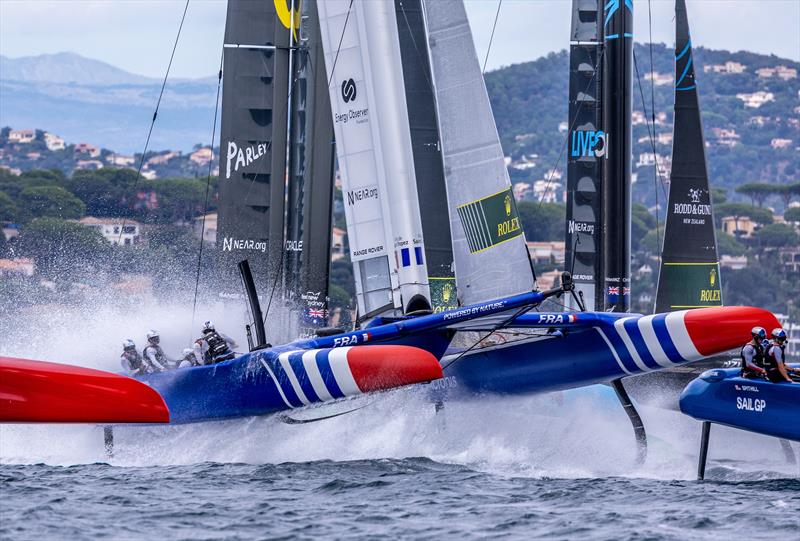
[21, 136]
[209, 230]
[54, 142]
[115, 230]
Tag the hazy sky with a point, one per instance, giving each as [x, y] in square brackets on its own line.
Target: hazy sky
[137, 35]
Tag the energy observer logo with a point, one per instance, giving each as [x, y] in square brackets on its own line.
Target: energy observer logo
[349, 93]
[349, 90]
[589, 143]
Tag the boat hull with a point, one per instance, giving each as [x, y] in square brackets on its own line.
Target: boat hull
[723, 397]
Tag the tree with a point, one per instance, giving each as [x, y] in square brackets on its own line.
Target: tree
[542, 221]
[178, 199]
[792, 214]
[719, 196]
[51, 202]
[62, 250]
[777, 235]
[739, 211]
[106, 192]
[757, 192]
[728, 245]
[8, 210]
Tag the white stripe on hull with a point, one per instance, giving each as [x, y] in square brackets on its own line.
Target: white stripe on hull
[613, 351]
[619, 325]
[651, 341]
[342, 373]
[680, 336]
[275, 380]
[310, 364]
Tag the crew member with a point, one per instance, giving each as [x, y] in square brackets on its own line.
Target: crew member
[154, 357]
[753, 354]
[775, 359]
[214, 346]
[131, 360]
[189, 359]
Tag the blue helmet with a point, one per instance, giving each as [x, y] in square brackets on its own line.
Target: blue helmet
[779, 335]
[758, 333]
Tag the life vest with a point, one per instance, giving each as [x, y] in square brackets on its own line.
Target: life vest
[160, 358]
[758, 356]
[134, 360]
[770, 362]
[217, 346]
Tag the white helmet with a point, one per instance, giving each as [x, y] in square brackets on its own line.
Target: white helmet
[128, 344]
[152, 335]
[187, 352]
[208, 326]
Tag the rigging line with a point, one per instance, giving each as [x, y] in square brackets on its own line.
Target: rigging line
[490, 333]
[155, 114]
[423, 60]
[339, 47]
[208, 188]
[278, 274]
[656, 176]
[491, 38]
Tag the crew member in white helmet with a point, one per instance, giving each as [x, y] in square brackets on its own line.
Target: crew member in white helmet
[154, 357]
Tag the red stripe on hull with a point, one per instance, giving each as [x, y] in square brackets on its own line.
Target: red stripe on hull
[714, 330]
[376, 368]
[41, 392]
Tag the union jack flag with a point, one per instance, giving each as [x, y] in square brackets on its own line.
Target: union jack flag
[315, 313]
[613, 291]
[626, 291]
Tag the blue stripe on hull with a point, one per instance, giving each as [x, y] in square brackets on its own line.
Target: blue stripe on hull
[296, 362]
[660, 327]
[324, 364]
[635, 334]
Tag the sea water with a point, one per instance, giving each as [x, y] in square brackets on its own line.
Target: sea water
[558, 466]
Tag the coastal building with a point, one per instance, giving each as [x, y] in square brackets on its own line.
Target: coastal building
[756, 99]
[728, 67]
[201, 156]
[741, 226]
[782, 72]
[87, 149]
[790, 257]
[120, 161]
[659, 79]
[54, 142]
[91, 165]
[733, 262]
[21, 136]
[522, 190]
[160, 159]
[546, 190]
[780, 143]
[17, 267]
[547, 251]
[115, 230]
[209, 230]
[725, 137]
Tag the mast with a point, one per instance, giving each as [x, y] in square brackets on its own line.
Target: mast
[310, 181]
[616, 185]
[689, 275]
[586, 154]
[253, 142]
[425, 145]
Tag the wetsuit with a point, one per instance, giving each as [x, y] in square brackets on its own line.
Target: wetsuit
[155, 358]
[132, 362]
[752, 355]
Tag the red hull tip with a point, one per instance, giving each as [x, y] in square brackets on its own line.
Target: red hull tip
[42, 392]
[714, 330]
[377, 368]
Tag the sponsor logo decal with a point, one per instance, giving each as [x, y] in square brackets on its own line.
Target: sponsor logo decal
[294, 245]
[490, 221]
[750, 404]
[368, 251]
[693, 210]
[361, 194]
[349, 93]
[473, 310]
[554, 319]
[349, 90]
[242, 157]
[589, 143]
[749, 388]
[580, 227]
[230, 244]
[443, 293]
[351, 340]
[289, 18]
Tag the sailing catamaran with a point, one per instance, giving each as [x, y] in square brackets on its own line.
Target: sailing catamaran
[405, 172]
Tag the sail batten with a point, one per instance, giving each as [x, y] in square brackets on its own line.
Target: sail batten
[689, 274]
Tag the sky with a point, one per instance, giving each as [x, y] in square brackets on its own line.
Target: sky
[137, 35]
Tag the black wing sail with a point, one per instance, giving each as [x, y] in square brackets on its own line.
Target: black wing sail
[428, 165]
[253, 142]
[586, 151]
[689, 275]
[311, 159]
